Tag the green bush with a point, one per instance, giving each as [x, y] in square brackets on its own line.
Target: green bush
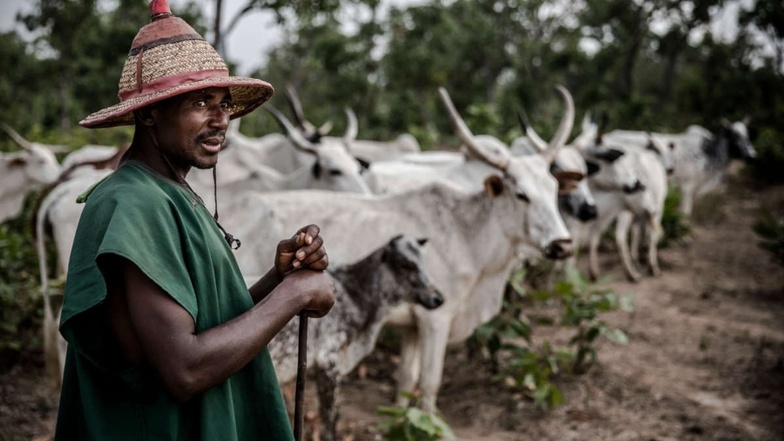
[21, 306]
[534, 369]
[405, 423]
[770, 228]
[770, 156]
[673, 221]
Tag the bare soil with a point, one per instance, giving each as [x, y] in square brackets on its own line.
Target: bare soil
[705, 358]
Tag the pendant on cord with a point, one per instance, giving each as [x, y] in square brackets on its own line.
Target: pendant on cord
[233, 242]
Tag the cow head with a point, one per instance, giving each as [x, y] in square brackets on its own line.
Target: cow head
[403, 264]
[663, 149]
[737, 136]
[568, 166]
[526, 185]
[334, 168]
[610, 171]
[37, 161]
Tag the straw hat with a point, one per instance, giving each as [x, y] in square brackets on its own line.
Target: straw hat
[167, 58]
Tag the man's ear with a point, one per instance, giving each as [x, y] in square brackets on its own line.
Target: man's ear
[145, 115]
[494, 185]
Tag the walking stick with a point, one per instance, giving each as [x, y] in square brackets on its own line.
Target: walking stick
[302, 367]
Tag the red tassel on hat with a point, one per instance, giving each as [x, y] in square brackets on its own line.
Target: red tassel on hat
[159, 7]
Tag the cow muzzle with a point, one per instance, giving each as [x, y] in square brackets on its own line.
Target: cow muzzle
[558, 249]
[432, 301]
[637, 187]
[586, 212]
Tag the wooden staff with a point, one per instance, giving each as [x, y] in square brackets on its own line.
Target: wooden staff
[302, 367]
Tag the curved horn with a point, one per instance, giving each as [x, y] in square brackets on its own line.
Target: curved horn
[296, 109]
[567, 122]
[536, 140]
[353, 127]
[25, 144]
[292, 133]
[465, 135]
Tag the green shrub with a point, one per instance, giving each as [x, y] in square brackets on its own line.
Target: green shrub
[534, 369]
[770, 156]
[21, 307]
[770, 228]
[405, 423]
[673, 221]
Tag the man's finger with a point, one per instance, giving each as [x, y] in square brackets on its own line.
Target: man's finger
[311, 232]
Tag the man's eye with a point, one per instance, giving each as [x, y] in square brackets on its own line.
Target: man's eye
[226, 104]
[200, 103]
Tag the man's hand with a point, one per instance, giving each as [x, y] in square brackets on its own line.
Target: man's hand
[305, 249]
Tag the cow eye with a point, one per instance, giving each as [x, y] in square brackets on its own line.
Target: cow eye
[335, 172]
[522, 196]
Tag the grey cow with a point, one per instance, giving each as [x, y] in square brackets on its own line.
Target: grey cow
[365, 292]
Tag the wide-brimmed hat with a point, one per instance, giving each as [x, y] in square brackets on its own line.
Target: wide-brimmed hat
[167, 58]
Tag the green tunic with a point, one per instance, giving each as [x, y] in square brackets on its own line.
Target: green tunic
[158, 225]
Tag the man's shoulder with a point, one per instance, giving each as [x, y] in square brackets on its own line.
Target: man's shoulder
[130, 182]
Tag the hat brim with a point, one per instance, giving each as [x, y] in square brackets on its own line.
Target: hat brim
[247, 94]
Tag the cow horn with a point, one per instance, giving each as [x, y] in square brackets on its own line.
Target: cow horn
[536, 140]
[465, 135]
[353, 127]
[292, 133]
[565, 127]
[296, 109]
[25, 144]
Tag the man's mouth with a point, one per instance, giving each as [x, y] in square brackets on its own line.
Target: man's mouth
[213, 143]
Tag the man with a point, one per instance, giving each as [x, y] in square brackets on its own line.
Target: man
[165, 340]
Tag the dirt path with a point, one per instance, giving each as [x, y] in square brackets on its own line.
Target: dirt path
[705, 359]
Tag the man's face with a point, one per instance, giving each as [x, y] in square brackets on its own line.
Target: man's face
[191, 127]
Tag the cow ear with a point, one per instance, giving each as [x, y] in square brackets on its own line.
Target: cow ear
[611, 155]
[17, 162]
[364, 165]
[567, 180]
[422, 241]
[494, 185]
[593, 167]
[652, 148]
[316, 170]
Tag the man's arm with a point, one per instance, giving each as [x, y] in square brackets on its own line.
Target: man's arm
[190, 363]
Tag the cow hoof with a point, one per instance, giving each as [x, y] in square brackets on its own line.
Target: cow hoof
[634, 277]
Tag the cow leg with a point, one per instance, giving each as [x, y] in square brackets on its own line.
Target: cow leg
[410, 365]
[635, 234]
[622, 225]
[653, 246]
[434, 331]
[593, 254]
[327, 383]
[687, 200]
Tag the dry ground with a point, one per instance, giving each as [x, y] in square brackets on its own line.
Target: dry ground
[705, 360]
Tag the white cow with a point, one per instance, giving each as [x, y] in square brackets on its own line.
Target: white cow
[484, 154]
[473, 241]
[367, 151]
[374, 151]
[365, 293]
[645, 206]
[23, 171]
[701, 158]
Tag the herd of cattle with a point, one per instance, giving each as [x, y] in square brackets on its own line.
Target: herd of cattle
[480, 211]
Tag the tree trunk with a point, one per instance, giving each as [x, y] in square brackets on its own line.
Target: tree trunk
[217, 41]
